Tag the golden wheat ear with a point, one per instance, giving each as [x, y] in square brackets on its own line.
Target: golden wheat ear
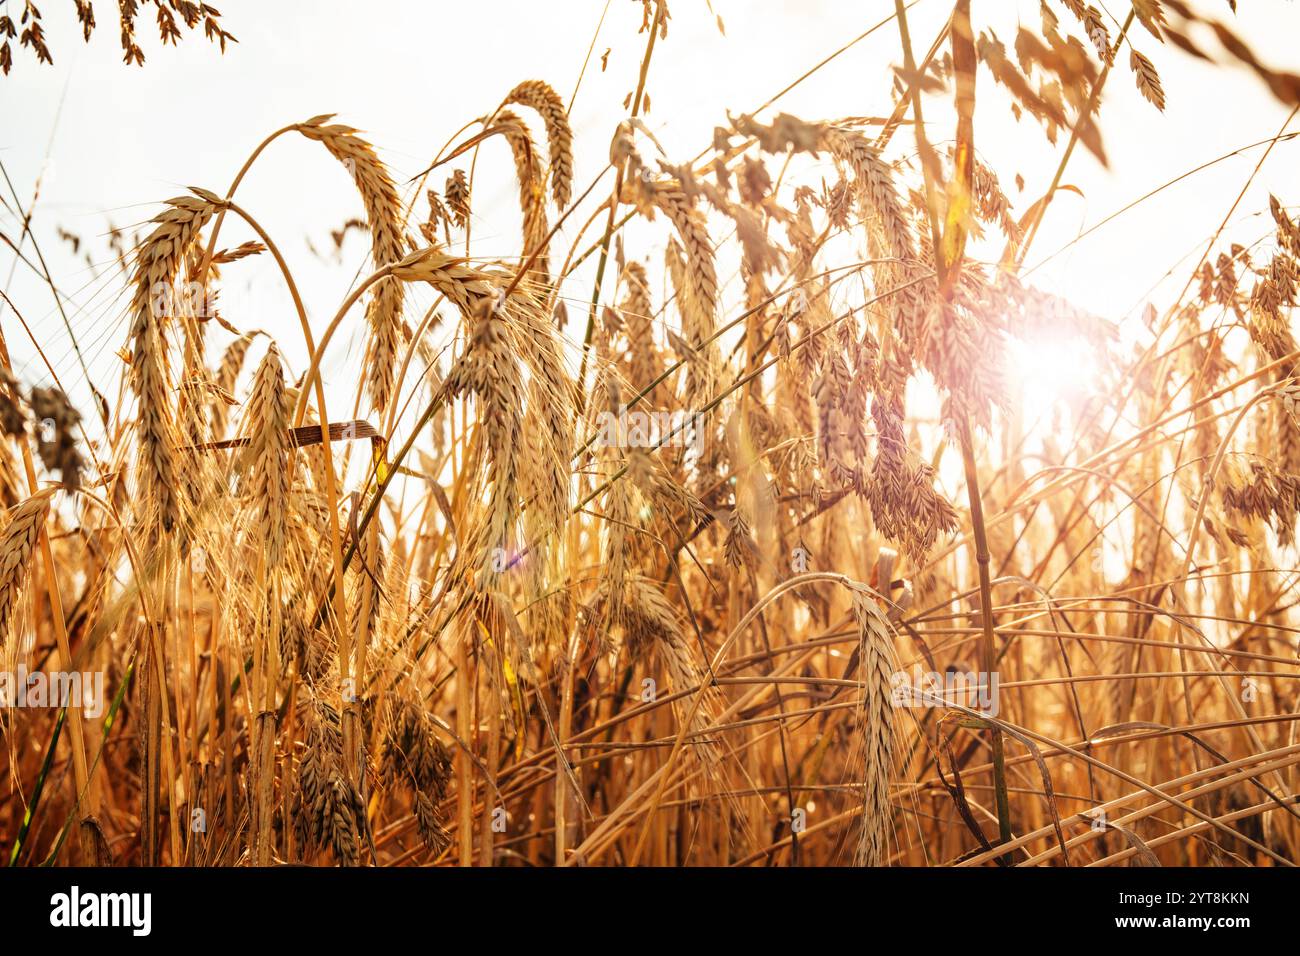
[388, 245]
[157, 264]
[17, 543]
[538, 95]
[877, 665]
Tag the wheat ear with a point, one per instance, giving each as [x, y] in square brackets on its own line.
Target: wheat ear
[266, 458]
[384, 214]
[16, 545]
[157, 263]
[538, 95]
[876, 667]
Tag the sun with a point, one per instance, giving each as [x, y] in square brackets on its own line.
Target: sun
[1046, 371]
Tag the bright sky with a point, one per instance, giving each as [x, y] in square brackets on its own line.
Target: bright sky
[113, 140]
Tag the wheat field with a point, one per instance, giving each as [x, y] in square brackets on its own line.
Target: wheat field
[696, 513]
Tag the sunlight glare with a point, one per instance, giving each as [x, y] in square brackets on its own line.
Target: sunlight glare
[1047, 371]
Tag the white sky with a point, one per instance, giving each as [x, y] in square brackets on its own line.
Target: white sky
[113, 140]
